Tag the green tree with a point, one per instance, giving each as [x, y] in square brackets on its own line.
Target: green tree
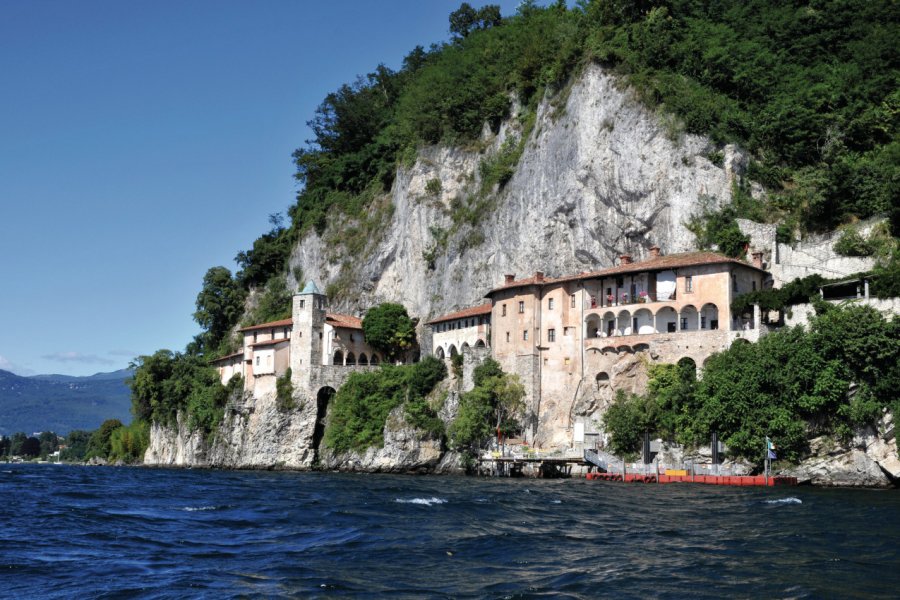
[220, 304]
[49, 443]
[31, 447]
[99, 444]
[76, 445]
[16, 442]
[494, 404]
[388, 328]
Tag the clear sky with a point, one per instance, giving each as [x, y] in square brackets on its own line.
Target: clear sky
[143, 142]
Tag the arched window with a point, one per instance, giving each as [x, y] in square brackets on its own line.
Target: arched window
[351, 360]
[363, 361]
[439, 353]
[688, 319]
[709, 316]
[375, 360]
[479, 344]
[602, 379]
[338, 358]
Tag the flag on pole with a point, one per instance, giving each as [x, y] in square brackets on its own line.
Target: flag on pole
[770, 449]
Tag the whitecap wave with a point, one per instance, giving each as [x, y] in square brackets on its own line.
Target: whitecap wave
[556, 502]
[790, 500]
[424, 501]
[199, 508]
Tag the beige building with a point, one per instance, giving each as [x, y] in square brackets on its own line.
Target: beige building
[573, 340]
[267, 348]
[454, 332]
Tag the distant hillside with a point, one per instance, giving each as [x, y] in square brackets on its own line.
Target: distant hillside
[61, 403]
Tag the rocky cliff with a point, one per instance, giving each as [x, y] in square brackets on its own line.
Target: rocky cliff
[600, 174]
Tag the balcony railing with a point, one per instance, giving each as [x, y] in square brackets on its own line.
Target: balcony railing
[627, 299]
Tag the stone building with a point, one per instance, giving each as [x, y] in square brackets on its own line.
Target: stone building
[310, 339]
[457, 331]
[572, 340]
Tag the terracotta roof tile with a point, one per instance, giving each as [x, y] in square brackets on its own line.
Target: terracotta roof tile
[224, 358]
[270, 342]
[345, 321]
[481, 309]
[281, 323]
[660, 263]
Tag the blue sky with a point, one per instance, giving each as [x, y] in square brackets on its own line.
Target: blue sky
[143, 142]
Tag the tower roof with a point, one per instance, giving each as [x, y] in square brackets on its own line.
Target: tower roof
[310, 288]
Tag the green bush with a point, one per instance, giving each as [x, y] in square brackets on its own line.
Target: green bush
[284, 395]
[852, 243]
[361, 406]
[129, 443]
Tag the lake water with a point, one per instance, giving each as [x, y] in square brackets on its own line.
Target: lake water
[154, 533]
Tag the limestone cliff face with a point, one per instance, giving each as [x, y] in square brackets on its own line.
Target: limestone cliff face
[599, 175]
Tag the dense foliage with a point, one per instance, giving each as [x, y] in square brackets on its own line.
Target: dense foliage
[360, 408]
[492, 407]
[220, 305]
[793, 384]
[168, 382]
[388, 328]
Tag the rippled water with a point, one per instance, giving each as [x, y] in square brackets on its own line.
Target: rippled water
[105, 532]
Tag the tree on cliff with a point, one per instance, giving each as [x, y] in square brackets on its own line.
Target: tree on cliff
[99, 443]
[492, 406]
[220, 304]
[389, 329]
[466, 19]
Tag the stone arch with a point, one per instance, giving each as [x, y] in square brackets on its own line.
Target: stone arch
[625, 348]
[452, 351]
[375, 360]
[323, 398]
[465, 346]
[740, 341]
[689, 319]
[602, 379]
[363, 361]
[641, 347]
[609, 323]
[593, 326]
[439, 353]
[606, 349]
[709, 316]
[351, 360]
[623, 322]
[666, 320]
[338, 358]
[643, 318]
[480, 344]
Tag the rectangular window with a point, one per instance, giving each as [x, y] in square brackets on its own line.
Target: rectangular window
[567, 330]
[572, 300]
[551, 335]
[302, 303]
[507, 337]
[521, 306]
[257, 361]
[702, 322]
[634, 325]
[255, 334]
[733, 283]
[503, 310]
[351, 337]
[754, 286]
[550, 304]
[525, 335]
[568, 360]
[688, 284]
[683, 323]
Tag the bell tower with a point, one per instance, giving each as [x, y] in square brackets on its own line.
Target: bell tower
[308, 315]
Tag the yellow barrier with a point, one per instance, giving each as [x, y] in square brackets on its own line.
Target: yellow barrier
[677, 472]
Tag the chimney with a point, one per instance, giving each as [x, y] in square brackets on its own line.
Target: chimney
[654, 251]
[510, 278]
[539, 276]
[625, 259]
[757, 260]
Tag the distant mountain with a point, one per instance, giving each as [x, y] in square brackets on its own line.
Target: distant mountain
[62, 403]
